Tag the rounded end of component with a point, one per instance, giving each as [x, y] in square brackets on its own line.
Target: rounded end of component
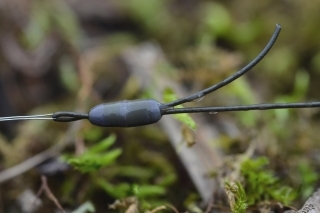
[96, 115]
[278, 26]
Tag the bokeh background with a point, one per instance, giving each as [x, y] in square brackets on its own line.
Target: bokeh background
[70, 55]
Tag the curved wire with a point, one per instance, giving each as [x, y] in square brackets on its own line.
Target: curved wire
[241, 108]
[231, 78]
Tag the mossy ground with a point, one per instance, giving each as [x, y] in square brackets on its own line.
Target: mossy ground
[68, 55]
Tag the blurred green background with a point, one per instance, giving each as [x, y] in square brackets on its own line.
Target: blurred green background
[70, 55]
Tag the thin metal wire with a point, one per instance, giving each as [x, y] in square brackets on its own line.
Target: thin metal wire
[57, 116]
[27, 117]
[241, 108]
[231, 78]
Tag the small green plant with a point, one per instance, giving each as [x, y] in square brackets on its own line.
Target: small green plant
[146, 184]
[261, 184]
[237, 197]
[168, 96]
[148, 195]
[308, 178]
[96, 156]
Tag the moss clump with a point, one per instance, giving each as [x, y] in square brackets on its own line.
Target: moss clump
[261, 184]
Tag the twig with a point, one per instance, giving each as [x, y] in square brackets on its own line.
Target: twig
[45, 188]
[159, 208]
[173, 208]
[41, 157]
[210, 206]
[84, 61]
[202, 157]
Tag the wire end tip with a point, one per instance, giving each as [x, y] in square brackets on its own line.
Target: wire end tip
[278, 26]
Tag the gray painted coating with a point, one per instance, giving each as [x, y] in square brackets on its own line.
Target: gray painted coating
[126, 113]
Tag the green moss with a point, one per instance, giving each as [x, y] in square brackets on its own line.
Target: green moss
[168, 95]
[261, 184]
[237, 197]
[96, 157]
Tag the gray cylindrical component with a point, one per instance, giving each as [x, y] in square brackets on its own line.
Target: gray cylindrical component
[126, 113]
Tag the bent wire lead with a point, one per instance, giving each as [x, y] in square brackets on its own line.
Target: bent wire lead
[234, 76]
[132, 113]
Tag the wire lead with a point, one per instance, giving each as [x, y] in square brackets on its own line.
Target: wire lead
[241, 108]
[27, 117]
[57, 116]
[147, 111]
[231, 78]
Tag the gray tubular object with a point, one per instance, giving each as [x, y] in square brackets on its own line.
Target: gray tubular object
[126, 113]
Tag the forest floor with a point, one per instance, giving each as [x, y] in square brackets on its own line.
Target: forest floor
[71, 55]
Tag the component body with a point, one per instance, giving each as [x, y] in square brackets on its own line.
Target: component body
[126, 113]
